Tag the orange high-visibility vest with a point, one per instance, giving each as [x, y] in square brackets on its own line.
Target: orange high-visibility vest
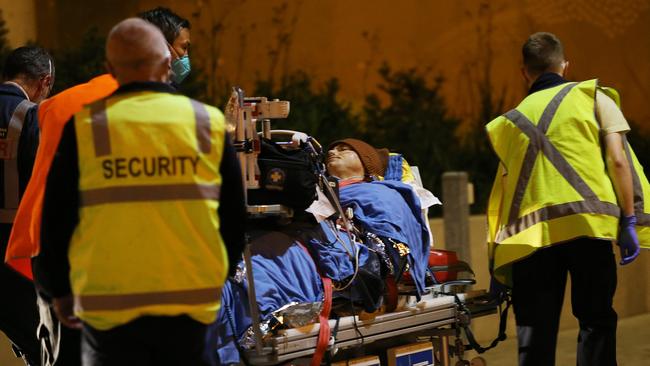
[53, 113]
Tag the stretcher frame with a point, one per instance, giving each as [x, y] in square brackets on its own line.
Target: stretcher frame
[436, 315]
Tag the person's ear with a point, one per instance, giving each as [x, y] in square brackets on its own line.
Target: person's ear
[41, 89]
[110, 69]
[174, 53]
[165, 71]
[526, 76]
[48, 83]
[565, 69]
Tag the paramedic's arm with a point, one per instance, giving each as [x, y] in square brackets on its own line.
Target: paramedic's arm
[614, 127]
[232, 209]
[59, 219]
[619, 171]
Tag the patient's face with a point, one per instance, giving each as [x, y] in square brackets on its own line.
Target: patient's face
[343, 162]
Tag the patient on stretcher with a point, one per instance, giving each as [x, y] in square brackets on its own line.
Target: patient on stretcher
[387, 213]
[371, 232]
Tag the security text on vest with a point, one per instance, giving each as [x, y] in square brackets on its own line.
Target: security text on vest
[149, 166]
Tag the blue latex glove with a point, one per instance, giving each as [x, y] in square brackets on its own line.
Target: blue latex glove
[628, 242]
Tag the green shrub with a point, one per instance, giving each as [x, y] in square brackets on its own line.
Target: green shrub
[315, 111]
[414, 121]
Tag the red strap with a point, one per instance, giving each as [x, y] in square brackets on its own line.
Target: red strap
[391, 294]
[324, 332]
[323, 318]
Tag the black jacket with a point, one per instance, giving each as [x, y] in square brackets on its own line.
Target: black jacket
[10, 97]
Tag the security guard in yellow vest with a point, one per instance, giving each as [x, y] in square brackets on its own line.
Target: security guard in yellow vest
[556, 206]
[142, 213]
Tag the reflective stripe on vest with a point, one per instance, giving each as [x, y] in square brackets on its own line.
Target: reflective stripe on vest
[130, 301]
[141, 193]
[539, 143]
[101, 137]
[11, 183]
[99, 122]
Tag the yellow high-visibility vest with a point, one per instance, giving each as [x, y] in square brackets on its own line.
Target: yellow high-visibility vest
[148, 240]
[552, 185]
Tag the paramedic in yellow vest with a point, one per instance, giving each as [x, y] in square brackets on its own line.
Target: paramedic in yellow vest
[143, 211]
[563, 193]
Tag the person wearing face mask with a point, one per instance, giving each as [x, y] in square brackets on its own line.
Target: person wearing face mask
[53, 113]
[141, 304]
[60, 345]
[177, 34]
[28, 75]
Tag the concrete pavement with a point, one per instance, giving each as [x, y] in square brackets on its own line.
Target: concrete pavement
[633, 346]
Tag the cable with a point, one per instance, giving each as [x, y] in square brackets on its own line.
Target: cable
[355, 258]
[354, 320]
[503, 318]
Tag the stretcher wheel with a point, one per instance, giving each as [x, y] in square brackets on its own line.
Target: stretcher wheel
[478, 361]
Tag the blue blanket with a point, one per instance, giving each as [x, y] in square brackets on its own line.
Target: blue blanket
[283, 273]
[335, 253]
[392, 210]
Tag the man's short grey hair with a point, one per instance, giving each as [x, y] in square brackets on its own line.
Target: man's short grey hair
[31, 62]
[542, 52]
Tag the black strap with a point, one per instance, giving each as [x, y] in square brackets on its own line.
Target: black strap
[328, 355]
[459, 266]
[336, 328]
[503, 320]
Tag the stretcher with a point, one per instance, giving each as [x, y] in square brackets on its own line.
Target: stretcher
[440, 316]
[435, 317]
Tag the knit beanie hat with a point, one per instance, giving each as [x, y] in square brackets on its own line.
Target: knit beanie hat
[375, 161]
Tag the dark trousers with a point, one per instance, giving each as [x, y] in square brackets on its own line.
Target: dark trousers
[151, 340]
[539, 283]
[18, 312]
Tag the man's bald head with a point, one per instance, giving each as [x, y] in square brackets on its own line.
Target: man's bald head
[137, 51]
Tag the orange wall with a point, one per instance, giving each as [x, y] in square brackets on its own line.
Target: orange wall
[350, 39]
[20, 20]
